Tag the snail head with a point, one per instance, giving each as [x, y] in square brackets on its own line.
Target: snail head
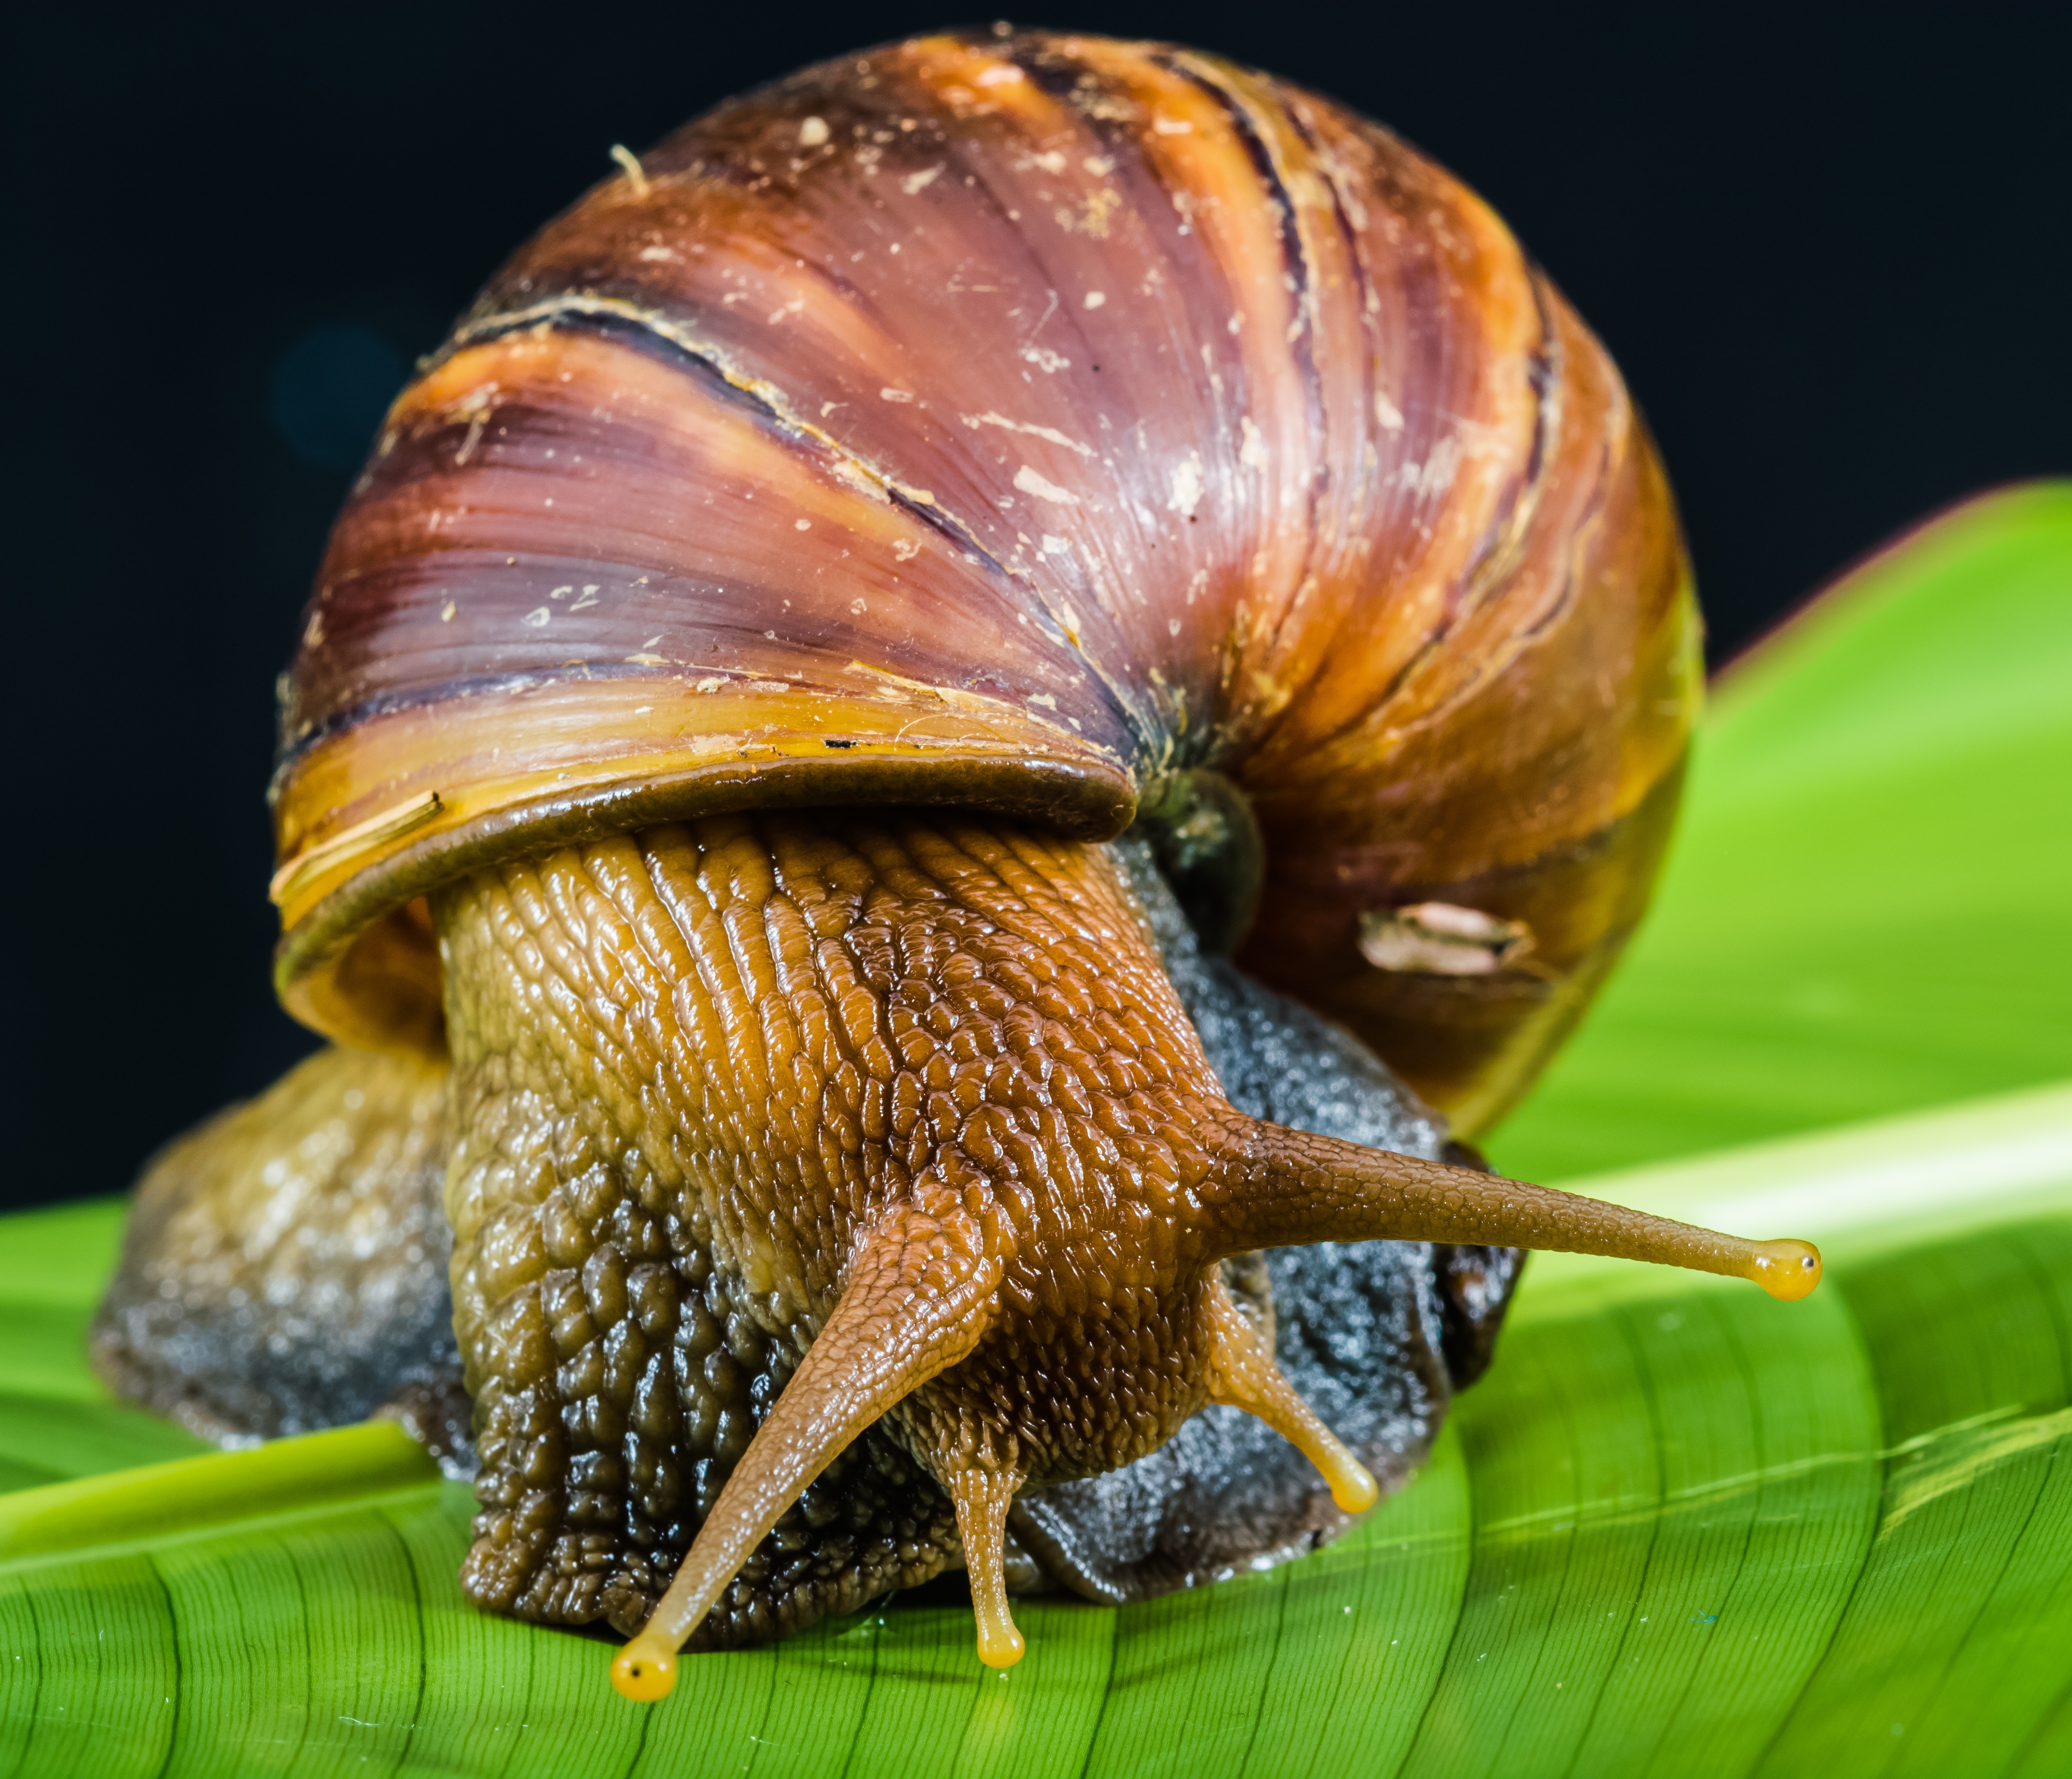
[923, 1082]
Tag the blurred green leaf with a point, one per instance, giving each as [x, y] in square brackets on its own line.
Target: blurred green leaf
[55, 1421]
[1865, 910]
[1679, 1529]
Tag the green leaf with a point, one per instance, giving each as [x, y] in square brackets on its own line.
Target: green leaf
[145, 1505]
[55, 1421]
[1865, 912]
[1679, 1529]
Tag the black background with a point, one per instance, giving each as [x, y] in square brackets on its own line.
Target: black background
[1831, 246]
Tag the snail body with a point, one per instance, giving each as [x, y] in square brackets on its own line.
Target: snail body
[720, 695]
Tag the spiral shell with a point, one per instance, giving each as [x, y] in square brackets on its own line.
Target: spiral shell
[1021, 423]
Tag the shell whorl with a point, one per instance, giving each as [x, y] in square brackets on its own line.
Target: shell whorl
[1009, 422]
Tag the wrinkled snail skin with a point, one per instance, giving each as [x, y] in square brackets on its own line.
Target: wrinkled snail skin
[287, 1267]
[924, 1087]
[935, 1076]
[707, 730]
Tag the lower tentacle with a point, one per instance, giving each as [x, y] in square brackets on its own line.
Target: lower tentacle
[1243, 1374]
[982, 1499]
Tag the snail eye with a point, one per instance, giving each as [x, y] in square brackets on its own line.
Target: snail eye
[645, 1670]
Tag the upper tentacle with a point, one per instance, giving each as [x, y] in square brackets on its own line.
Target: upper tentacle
[1277, 1188]
[915, 1303]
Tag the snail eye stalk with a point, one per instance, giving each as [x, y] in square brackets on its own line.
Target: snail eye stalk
[1277, 1188]
[918, 1299]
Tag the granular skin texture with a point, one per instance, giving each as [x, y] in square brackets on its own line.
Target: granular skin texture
[1357, 1327]
[307, 1247]
[692, 1069]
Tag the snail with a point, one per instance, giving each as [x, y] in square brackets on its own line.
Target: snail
[1001, 679]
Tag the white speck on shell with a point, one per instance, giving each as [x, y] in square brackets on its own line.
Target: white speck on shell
[1030, 482]
[1049, 433]
[1187, 485]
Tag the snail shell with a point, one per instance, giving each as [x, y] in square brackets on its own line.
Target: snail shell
[1053, 427]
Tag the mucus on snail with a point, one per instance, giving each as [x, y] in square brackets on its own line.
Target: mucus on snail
[864, 612]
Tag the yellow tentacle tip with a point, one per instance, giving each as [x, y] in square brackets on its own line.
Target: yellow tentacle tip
[1353, 1487]
[1786, 1270]
[999, 1644]
[645, 1669]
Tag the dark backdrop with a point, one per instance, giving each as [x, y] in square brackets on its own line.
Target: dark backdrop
[1829, 244]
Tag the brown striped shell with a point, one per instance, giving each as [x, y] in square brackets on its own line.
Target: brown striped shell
[1023, 423]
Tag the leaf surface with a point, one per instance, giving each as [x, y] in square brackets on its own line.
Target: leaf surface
[1864, 913]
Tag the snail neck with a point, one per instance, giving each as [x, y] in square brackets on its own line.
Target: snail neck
[742, 1043]
[907, 1103]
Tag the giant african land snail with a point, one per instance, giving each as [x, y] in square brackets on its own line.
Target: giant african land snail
[710, 717]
